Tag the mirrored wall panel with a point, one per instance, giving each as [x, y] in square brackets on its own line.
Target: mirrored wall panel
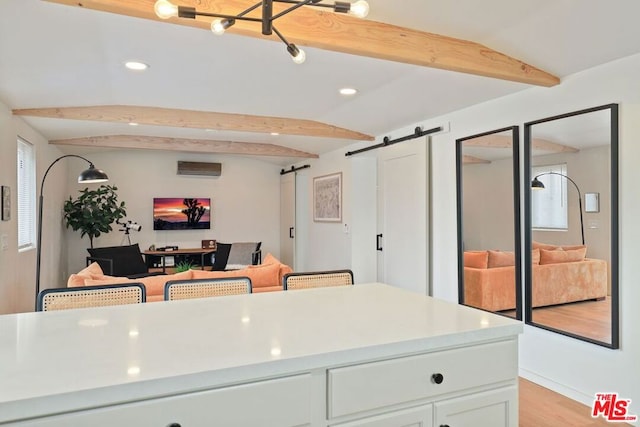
[489, 221]
[571, 222]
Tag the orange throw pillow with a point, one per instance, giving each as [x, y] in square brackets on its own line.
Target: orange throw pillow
[538, 245]
[560, 256]
[501, 259]
[270, 259]
[476, 259]
[535, 256]
[262, 275]
[572, 247]
[92, 271]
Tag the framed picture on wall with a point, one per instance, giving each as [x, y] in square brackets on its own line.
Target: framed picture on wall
[327, 198]
[6, 203]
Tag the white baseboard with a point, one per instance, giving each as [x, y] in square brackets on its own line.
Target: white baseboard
[569, 392]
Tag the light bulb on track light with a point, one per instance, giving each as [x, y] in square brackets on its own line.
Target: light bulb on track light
[165, 9]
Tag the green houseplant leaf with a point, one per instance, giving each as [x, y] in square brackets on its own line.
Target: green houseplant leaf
[93, 211]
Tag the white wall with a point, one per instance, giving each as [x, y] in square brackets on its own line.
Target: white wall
[487, 200]
[573, 367]
[245, 200]
[570, 366]
[17, 269]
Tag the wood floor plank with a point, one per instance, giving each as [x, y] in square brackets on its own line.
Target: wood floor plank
[541, 407]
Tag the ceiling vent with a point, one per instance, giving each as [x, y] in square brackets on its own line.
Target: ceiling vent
[199, 168]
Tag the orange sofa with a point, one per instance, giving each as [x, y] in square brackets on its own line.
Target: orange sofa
[265, 277]
[558, 276]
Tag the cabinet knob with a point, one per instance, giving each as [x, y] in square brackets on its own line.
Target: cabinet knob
[437, 378]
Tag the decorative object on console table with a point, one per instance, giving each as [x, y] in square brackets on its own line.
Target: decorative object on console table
[327, 198]
[88, 176]
[209, 244]
[6, 203]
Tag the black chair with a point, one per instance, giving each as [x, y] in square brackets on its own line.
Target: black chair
[121, 261]
[221, 256]
[245, 253]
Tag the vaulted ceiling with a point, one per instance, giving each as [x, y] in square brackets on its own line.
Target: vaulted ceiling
[61, 69]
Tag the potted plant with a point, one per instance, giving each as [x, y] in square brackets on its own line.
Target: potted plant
[94, 211]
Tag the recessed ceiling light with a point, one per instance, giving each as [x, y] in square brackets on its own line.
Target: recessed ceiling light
[348, 91]
[136, 66]
[274, 134]
[133, 124]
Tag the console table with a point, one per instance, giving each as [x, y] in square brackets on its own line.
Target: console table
[366, 355]
[164, 254]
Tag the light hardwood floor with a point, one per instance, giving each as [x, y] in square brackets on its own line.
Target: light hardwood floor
[591, 319]
[541, 407]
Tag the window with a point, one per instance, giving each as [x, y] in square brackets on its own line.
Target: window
[26, 195]
[549, 206]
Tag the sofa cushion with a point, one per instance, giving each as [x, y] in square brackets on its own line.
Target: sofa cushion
[284, 268]
[501, 259]
[560, 256]
[154, 285]
[261, 275]
[476, 259]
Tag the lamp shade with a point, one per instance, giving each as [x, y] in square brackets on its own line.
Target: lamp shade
[93, 175]
[537, 184]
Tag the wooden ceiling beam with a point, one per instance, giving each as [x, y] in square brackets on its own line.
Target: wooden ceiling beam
[139, 142]
[195, 119]
[309, 26]
[472, 160]
[504, 141]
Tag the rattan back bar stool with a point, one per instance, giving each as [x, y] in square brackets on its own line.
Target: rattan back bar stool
[317, 279]
[91, 296]
[204, 288]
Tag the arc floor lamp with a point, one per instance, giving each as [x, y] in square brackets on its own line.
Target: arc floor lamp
[89, 176]
[538, 185]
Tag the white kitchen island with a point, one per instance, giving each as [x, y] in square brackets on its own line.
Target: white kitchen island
[365, 355]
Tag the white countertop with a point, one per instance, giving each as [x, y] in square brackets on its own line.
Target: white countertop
[81, 358]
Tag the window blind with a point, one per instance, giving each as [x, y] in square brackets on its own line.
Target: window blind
[549, 206]
[26, 195]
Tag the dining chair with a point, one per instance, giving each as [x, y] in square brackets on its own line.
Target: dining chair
[91, 296]
[204, 288]
[317, 279]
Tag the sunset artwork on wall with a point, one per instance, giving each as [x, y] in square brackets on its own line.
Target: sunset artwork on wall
[178, 213]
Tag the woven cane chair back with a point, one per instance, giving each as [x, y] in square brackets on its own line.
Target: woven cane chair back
[91, 296]
[205, 288]
[318, 279]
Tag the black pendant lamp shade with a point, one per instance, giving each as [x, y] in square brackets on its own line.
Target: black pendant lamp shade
[92, 175]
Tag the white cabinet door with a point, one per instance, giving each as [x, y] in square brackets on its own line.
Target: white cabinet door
[495, 408]
[421, 416]
[276, 403]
